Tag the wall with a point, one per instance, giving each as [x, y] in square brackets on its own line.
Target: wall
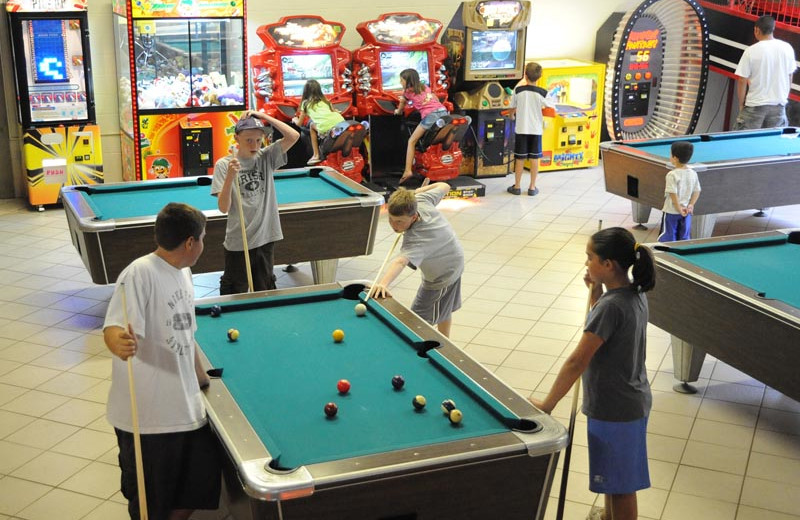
[555, 31]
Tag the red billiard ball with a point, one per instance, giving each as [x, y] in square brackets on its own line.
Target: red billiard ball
[398, 382]
[331, 409]
[343, 386]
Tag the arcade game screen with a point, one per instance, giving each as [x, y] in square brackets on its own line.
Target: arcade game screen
[493, 50]
[394, 62]
[299, 68]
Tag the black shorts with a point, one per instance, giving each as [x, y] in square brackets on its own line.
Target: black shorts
[234, 277]
[181, 471]
[527, 146]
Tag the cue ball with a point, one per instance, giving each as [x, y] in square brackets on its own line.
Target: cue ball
[455, 416]
[398, 382]
[360, 309]
[331, 409]
[216, 310]
[343, 386]
[448, 405]
[338, 335]
[418, 402]
[233, 334]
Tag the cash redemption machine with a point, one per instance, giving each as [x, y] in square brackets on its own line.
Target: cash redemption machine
[182, 77]
[392, 43]
[55, 98]
[571, 137]
[485, 44]
[297, 49]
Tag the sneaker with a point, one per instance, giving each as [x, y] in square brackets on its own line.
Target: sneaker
[534, 191]
[597, 513]
[313, 161]
[514, 191]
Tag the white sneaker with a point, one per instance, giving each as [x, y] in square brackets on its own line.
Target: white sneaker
[597, 513]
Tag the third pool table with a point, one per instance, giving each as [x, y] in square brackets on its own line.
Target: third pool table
[737, 171]
[324, 215]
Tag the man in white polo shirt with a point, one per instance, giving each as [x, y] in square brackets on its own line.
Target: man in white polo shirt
[764, 79]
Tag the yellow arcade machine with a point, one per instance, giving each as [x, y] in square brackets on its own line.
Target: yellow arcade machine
[571, 138]
[61, 144]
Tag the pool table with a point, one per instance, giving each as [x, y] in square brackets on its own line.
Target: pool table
[737, 171]
[324, 215]
[378, 458]
[735, 297]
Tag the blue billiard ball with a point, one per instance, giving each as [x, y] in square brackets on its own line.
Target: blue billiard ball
[216, 310]
[448, 405]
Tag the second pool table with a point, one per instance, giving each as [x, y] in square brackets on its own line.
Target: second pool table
[737, 171]
[324, 215]
[735, 297]
[378, 458]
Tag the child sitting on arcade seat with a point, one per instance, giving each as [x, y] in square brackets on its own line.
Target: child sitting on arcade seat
[430, 109]
[319, 110]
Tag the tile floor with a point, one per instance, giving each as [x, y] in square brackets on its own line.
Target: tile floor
[730, 452]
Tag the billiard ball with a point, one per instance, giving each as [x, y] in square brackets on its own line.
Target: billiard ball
[216, 310]
[233, 334]
[338, 335]
[418, 402]
[343, 386]
[448, 405]
[398, 382]
[360, 309]
[455, 416]
[331, 409]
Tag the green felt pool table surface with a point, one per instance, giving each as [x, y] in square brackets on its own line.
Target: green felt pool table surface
[285, 367]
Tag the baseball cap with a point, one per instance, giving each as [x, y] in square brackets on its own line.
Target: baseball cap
[250, 123]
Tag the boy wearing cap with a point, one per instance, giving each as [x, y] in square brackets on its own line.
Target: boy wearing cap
[254, 165]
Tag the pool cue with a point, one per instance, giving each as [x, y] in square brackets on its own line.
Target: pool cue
[396, 240]
[562, 494]
[244, 237]
[137, 439]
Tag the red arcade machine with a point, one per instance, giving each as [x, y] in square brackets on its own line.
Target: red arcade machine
[297, 49]
[52, 65]
[392, 43]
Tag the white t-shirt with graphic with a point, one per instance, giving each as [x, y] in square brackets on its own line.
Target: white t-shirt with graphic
[160, 308]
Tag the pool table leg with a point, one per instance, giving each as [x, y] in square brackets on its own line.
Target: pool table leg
[640, 213]
[687, 361]
[324, 271]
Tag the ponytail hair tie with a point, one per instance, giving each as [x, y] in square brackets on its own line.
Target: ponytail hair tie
[637, 255]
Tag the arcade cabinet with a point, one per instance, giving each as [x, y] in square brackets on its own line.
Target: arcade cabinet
[392, 43]
[181, 71]
[571, 137]
[297, 49]
[485, 44]
[55, 99]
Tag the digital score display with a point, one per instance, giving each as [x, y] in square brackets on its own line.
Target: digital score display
[640, 72]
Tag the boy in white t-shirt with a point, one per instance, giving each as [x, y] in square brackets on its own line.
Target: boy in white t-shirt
[680, 194]
[180, 454]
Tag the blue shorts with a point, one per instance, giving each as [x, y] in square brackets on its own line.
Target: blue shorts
[431, 118]
[527, 146]
[618, 456]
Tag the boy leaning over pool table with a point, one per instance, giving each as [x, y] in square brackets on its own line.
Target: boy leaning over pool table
[155, 330]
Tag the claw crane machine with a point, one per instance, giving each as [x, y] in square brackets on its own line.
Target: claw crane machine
[55, 98]
[182, 76]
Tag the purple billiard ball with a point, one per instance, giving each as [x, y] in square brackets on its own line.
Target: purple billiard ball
[398, 382]
[331, 409]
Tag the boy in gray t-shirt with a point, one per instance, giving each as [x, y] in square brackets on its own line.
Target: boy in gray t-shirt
[254, 165]
[430, 244]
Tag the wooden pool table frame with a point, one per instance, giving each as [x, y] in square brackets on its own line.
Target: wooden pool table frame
[320, 233]
[507, 475]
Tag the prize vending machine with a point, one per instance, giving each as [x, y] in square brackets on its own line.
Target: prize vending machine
[182, 77]
[55, 99]
[298, 49]
[485, 44]
[392, 43]
[571, 137]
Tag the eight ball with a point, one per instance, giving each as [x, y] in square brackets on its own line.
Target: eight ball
[216, 310]
[331, 409]
[398, 382]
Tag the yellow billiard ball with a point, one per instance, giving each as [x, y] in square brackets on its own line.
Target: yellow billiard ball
[338, 335]
[233, 334]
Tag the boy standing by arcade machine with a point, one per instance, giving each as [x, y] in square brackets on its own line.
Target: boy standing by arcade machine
[527, 104]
